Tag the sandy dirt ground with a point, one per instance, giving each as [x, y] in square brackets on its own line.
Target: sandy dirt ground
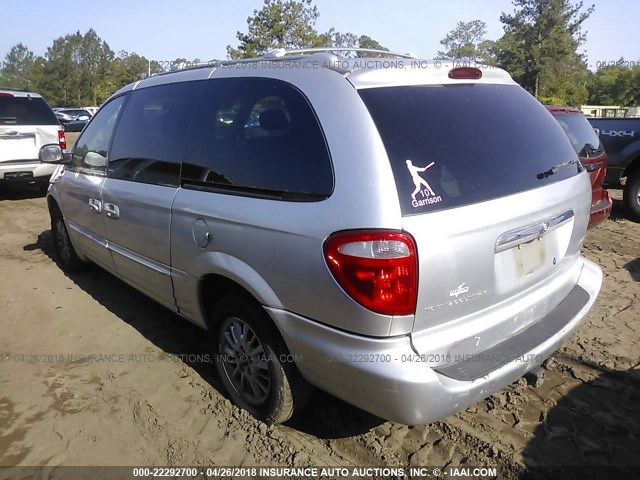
[151, 398]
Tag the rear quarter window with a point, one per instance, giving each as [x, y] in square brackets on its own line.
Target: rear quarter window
[257, 136]
[456, 145]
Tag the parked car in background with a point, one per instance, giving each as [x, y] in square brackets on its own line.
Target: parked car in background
[68, 114]
[75, 125]
[26, 124]
[621, 140]
[91, 110]
[73, 119]
[592, 154]
[406, 239]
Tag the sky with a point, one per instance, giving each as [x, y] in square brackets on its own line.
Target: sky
[164, 30]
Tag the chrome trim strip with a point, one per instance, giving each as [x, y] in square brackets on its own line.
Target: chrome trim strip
[91, 236]
[516, 237]
[125, 252]
[16, 135]
[26, 161]
[147, 262]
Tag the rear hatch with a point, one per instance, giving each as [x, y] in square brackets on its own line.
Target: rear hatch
[26, 124]
[493, 194]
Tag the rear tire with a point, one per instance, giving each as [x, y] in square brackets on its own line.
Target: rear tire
[631, 196]
[249, 359]
[67, 255]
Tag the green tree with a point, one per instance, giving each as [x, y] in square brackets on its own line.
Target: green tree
[17, 68]
[129, 67]
[290, 24]
[78, 70]
[367, 42]
[279, 24]
[350, 40]
[540, 49]
[617, 84]
[467, 40]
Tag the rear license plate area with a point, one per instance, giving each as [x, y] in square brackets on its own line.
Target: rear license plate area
[529, 257]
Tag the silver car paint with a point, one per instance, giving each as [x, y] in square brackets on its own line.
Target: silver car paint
[274, 250]
[397, 384]
[85, 223]
[139, 237]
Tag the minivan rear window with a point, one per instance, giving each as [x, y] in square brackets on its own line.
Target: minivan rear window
[25, 111]
[583, 137]
[456, 145]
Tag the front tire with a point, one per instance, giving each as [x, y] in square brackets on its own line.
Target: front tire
[631, 196]
[67, 255]
[249, 359]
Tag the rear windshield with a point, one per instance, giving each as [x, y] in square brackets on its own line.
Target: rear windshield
[583, 137]
[26, 111]
[455, 145]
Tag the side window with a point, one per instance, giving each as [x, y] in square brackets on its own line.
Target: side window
[257, 135]
[90, 153]
[148, 143]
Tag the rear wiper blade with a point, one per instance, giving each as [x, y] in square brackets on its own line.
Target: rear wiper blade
[555, 169]
[589, 150]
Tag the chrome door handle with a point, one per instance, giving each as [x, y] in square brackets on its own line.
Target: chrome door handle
[112, 210]
[95, 205]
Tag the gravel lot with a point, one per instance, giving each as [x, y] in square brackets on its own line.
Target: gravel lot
[156, 403]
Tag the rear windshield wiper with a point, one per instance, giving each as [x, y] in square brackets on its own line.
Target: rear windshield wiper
[555, 169]
[589, 150]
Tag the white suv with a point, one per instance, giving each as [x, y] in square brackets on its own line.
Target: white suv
[26, 123]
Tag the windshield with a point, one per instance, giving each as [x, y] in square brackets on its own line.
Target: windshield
[455, 145]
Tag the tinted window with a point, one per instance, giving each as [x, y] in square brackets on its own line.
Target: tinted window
[455, 145]
[583, 137]
[257, 135]
[148, 144]
[90, 153]
[25, 111]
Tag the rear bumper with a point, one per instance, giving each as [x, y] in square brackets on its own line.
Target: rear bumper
[600, 210]
[37, 170]
[387, 378]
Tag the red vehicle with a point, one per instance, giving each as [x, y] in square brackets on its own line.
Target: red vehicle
[591, 152]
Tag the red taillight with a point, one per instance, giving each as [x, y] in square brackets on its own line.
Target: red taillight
[6, 94]
[465, 73]
[62, 140]
[378, 269]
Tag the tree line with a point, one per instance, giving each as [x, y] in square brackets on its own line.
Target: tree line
[539, 48]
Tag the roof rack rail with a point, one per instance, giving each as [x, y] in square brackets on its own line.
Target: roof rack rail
[279, 55]
[281, 52]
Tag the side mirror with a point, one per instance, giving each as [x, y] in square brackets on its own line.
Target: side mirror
[51, 153]
[94, 159]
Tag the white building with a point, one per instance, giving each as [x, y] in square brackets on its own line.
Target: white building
[610, 111]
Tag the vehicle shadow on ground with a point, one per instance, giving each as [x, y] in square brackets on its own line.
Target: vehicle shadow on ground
[592, 432]
[325, 417]
[618, 211]
[634, 269]
[20, 191]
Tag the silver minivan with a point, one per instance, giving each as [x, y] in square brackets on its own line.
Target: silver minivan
[403, 234]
